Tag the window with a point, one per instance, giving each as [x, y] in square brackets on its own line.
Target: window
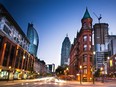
[84, 58]
[85, 38]
[85, 48]
[19, 57]
[7, 50]
[85, 71]
[89, 38]
[0, 41]
[6, 30]
[85, 25]
[12, 55]
[90, 47]
[91, 58]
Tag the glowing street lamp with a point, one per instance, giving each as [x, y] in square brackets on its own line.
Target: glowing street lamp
[101, 68]
[9, 67]
[108, 57]
[93, 52]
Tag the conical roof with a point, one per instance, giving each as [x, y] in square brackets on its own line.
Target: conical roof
[86, 15]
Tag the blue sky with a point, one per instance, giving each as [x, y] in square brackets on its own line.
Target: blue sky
[53, 19]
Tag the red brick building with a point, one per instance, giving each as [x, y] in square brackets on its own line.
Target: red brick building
[81, 50]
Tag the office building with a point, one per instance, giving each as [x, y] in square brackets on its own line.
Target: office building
[15, 60]
[100, 44]
[65, 51]
[33, 38]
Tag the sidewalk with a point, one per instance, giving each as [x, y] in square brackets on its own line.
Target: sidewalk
[86, 83]
[97, 83]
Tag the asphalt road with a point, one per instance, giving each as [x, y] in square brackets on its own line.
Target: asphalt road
[53, 82]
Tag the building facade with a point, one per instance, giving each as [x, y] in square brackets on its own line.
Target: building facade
[81, 51]
[51, 68]
[15, 60]
[33, 38]
[74, 59]
[101, 45]
[65, 51]
[11, 29]
[111, 61]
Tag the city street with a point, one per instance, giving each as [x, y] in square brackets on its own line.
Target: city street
[53, 82]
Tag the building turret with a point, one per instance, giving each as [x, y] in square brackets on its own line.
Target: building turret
[86, 20]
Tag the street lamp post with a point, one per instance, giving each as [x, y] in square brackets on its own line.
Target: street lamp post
[80, 73]
[93, 70]
[102, 74]
[108, 58]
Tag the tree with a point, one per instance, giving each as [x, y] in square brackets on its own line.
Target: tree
[97, 73]
[59, 70]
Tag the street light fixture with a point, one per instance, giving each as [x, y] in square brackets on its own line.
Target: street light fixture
[80, 73]
[108, 57]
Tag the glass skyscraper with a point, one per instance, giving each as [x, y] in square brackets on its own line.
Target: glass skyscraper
[33, 38]
[65, 51]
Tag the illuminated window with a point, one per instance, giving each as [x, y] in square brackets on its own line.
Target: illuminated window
[89, 38]
[85, 47]
[89, 47]
[111, 63]
[85, 38]
[85, 71]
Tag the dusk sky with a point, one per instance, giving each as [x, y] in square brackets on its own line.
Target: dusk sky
[53, 19]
